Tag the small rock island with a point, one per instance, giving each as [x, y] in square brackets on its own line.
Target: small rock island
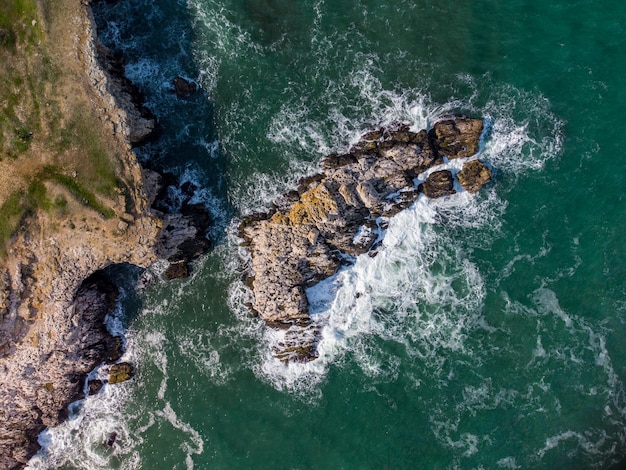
[337, 214]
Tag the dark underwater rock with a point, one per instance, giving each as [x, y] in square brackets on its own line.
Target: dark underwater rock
[183, 87]
[94, 386]
[111, 439]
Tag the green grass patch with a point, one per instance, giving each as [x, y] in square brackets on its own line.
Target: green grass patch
[97, 168]
[84, 196]
[16, 18]
[12, 212]
[22, 140]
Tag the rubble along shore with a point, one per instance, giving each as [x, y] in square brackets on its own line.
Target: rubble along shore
[336, 215]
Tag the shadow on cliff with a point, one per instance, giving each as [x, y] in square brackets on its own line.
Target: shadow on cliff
[156, 40]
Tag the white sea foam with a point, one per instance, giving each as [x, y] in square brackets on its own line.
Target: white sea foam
[79, 442]
[197, 347]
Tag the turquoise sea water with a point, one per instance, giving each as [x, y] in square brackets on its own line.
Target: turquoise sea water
[489, 333]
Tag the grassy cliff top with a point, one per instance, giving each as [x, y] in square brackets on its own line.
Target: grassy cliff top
[53, 148]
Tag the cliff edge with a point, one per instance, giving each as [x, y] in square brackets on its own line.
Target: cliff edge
[73, 202]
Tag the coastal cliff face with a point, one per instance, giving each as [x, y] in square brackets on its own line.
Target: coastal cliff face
[340, 213]
[52, 305]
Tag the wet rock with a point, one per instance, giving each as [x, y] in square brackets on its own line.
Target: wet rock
[114, 349]
[438, 184]
[177, 270]
[183, 87]
[111, 439]
[457, 138]
[183, 237]
[94, 386]
[299, 344]
[121, 372]
[474, 175]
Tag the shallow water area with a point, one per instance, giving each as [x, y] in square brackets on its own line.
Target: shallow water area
[487, 332]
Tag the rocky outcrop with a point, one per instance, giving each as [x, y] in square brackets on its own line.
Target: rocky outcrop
[47, 370]
[474, 175]
[183, 237]
[335, 215]
[184, 87]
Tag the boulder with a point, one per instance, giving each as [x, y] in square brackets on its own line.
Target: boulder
[177, 270]
[438, 184]
[183, 87]
[474, 175]
[94, 387]
[120, 372]
[457, 138]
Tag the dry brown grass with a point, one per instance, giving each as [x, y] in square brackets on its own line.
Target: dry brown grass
[50, 135]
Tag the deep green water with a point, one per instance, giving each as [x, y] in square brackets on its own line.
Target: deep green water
[490, 331]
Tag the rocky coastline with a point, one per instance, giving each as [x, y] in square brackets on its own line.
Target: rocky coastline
[54, 294]
[341, 212]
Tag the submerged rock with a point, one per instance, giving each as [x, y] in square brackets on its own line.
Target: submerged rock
[111, 439]
[183, 87]
[335, 215]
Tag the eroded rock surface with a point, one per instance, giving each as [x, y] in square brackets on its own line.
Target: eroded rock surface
[474, 175]
[48, 376]
[334, 216]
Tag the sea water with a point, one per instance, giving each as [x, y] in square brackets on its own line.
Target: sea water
[487, 333]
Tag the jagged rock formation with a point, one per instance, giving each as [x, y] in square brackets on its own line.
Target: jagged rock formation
[185, 224]
[334, 215]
